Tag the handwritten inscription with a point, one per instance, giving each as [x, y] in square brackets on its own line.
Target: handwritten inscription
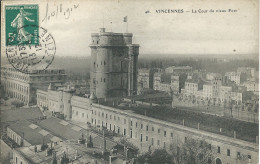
[59, 11]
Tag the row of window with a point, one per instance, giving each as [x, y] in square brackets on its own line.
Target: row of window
[228, 153]
[101, 63]
[103, 115]
[19, 87]
[77, 114]
[101, 80]
[17, 95]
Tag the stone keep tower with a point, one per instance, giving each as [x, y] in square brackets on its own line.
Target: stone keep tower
[113, 64]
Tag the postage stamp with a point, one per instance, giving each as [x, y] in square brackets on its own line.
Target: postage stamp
[29, 47]
[18, 16]
[28, 58]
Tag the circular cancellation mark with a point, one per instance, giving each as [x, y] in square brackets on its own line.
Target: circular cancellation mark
[27, 56]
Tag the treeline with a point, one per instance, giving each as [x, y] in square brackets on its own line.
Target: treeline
[208, 64]
[77, 68]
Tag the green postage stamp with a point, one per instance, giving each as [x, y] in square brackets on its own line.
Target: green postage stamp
[22, 25]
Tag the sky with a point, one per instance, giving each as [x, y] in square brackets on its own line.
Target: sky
[184, 33]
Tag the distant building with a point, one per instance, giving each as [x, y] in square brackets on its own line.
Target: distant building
[252, 86]
[212, 76]
[23, 86]
[192, 86]
[162, 82]
[113, 64]
[249, 71]
[211, 91]
[175, 83]
[171, 83]
[236, 77]
[145, 78]
[181, 69]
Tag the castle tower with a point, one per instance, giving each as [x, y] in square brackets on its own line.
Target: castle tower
[113, 64]
[67, 108]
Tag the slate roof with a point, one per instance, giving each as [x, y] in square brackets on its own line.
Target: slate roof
[32, 133]
[21, 114]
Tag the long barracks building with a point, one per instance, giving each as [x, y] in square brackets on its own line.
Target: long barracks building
[146, 132]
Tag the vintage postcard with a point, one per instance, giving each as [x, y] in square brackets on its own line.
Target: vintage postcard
[129, 82]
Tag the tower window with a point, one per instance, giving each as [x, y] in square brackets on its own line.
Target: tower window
[97, 65]
[228, 152]
[97, 42]
[104, 62]
[218, 149]
[121, 65]
[104, 80]
[101, 62]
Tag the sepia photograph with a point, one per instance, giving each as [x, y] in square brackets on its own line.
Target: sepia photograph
[129, 82]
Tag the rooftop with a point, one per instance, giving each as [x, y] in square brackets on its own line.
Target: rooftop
[69, 131]
[32, 133]
[30, 113]
[61, 128]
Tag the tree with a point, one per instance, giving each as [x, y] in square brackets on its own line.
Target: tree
[193, 151]
[158, 156]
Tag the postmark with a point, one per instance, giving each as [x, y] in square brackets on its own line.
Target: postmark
[27, 57]
[17, 17]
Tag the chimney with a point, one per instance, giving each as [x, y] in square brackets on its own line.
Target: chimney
[76, 156]
[35, 148]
